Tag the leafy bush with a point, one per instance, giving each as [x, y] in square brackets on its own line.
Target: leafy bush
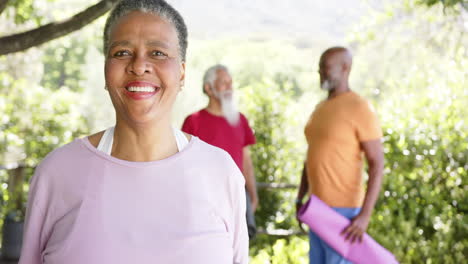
[278, 158]
[421, 216]
[421, 213]
[421, 94]
[35, 121]
[291, 250]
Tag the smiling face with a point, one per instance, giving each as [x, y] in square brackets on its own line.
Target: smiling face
[143, 69]
[223, 81]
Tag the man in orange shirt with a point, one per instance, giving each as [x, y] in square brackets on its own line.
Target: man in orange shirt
[340, 129]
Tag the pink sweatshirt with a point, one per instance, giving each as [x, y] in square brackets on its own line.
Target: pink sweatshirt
[88, 207]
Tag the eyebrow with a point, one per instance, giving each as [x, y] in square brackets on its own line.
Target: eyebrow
[126, 43]
[119, 43]
[157, 43]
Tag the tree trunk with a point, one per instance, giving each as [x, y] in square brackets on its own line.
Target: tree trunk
[22, 41]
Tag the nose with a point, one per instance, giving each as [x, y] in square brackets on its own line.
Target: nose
[139, 66]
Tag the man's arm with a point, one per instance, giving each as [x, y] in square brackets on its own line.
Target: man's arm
[303, 187]
[249, 175]
[373, 151]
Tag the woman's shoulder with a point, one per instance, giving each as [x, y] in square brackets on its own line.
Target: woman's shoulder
[214, 157]
[217, 163]
[64, 156]
[205, 149]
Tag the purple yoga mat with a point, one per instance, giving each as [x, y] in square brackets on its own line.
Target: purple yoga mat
[328, 224]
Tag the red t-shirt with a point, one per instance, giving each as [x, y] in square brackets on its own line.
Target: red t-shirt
[215, 130]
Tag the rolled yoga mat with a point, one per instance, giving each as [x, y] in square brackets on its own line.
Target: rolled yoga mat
[328, 224]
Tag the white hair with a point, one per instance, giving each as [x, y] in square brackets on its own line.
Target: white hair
[156, 7]
[211, 75]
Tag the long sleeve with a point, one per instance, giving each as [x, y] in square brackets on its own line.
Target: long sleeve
[35, 223]
[241, 238]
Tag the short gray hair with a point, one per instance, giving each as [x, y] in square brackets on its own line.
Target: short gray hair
[211, 75]
[156, 7]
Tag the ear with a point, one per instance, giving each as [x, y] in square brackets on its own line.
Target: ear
[347, 63]
[182, 75]
[207, 89]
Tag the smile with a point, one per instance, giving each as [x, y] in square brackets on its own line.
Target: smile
[137, 89]
[141, 90]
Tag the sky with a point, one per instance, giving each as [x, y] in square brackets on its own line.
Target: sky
[304, 19]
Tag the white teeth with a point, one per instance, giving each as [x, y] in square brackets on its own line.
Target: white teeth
[141, 89]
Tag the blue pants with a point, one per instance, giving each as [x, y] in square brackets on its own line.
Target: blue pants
[320, 252]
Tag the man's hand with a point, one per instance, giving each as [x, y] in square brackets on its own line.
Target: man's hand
[303, 187]
[356, 228]
[373, 151]
[254, 204]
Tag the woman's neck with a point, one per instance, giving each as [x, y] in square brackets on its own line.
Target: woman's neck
[144, 143]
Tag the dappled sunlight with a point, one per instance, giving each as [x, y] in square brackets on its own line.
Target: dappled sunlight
[410, 61]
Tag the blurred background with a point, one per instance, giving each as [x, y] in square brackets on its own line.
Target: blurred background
[410, 61]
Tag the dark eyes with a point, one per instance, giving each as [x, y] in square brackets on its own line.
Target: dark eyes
[158, 54]
[154, 54]
[121, 53]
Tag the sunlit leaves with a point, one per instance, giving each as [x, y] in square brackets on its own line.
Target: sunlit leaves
[39, 120]
[445, 3]
[63, 61]
[277, 156]
[412, 62]
[24, 11]
[422, 104]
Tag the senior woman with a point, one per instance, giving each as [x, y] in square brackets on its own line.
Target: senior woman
[141, 192]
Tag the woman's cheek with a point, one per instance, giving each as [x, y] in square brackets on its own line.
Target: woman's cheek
[169, 72]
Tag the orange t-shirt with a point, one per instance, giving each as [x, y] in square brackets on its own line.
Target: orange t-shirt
[334, 156]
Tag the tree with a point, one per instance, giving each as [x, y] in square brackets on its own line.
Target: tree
[446, 3]
[35, 37]
[411, 60]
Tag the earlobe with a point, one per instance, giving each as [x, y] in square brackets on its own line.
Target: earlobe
[182, 76]
[182, 73]
[207, 89]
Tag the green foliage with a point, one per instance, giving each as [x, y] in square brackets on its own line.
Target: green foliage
[445, 3]
[419, 86]
[292, 251]
[13, 200]
[277, 154]
[40, 102]
[24, 11]
[422, 210]
[278, 158]
[35, 120]
[63, 60]
[410, 61]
